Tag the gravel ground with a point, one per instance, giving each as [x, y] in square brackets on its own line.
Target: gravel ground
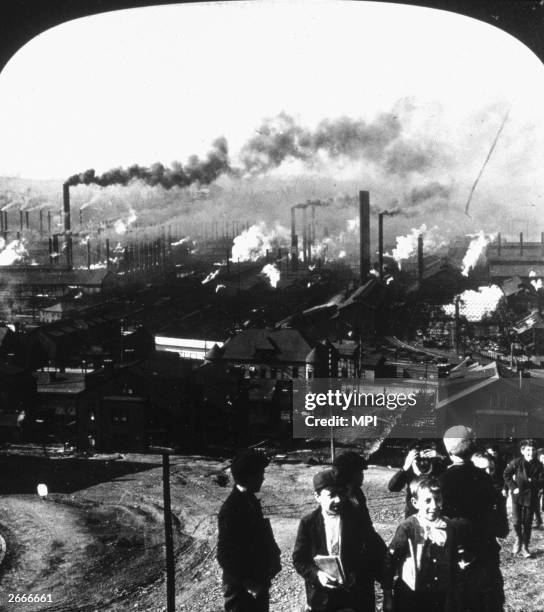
[101, 547]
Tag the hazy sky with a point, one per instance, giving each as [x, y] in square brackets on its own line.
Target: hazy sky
[159, 84]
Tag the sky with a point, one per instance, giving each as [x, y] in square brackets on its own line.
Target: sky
[159, 84]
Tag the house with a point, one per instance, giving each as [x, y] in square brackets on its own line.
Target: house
[488, 399]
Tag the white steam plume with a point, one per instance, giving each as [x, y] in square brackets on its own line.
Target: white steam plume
[273, 274]
[254, 242]
[476, 249]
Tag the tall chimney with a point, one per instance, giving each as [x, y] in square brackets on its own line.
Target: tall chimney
[88, 254]
[107, 253]
[499, 244]
[380, 244]
[21, 219]
[420, 256]
[364, 235]
[521, 243]
[294, 239]
[67, 224]
[41, 222]
[27, 219]
[5, 220]
[304, 236]
[49, 222]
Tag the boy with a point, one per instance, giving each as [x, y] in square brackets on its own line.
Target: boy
[421, 461]
[524, 477]
[424, 556]
[468, 494]
[246, 550]
[335, 528]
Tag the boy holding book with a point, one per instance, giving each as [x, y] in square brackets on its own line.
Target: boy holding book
[335, 552]
[424, 557]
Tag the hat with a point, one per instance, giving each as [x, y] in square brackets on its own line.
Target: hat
[459, 440]
[326, 479]
[248, 463]
[350, 462]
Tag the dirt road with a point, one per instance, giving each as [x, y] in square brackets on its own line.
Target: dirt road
[101, 547]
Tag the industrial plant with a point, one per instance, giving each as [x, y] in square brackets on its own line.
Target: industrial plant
[131, 334]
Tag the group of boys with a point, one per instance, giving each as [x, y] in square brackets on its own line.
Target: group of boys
[443, 557]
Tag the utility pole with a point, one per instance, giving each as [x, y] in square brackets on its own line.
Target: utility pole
[168, 539]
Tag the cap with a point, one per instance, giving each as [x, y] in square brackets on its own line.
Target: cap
[247, 463]
[326, 479]
[350, 462]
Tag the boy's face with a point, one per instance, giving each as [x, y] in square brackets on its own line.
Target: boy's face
[329, 500]
[428, 504]
[528, 452]
[541, 457]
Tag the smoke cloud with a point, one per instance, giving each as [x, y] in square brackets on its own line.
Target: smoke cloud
[195, 170]
[281, 138]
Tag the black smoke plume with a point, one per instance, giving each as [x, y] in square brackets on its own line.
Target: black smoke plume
[281, 138]
[195, 170]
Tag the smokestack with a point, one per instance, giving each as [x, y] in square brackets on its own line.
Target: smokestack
[49, 222]
[364, 235]
[304, 236]
[80, 218]
[56, 247]
[21, 220]
[420, 256]
[41, 222]
[294, 239]
[499, 244]
[380, 244]
[27, 219]
[312, 235]
[67, 225]
[50, 250]
[107, 253]
[88, 254]
[521, 243]
[6, 220]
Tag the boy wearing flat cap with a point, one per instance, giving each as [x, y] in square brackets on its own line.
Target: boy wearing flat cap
[246, 549]
[335, 528]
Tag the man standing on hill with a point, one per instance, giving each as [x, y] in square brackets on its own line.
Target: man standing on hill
[246, 549]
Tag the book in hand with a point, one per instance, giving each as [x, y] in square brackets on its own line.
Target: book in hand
[331, 565]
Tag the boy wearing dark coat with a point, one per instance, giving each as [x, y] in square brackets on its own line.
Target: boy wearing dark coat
[335, 528]
[524, 477]
[425, 556]
[468, 494]
[246, 549]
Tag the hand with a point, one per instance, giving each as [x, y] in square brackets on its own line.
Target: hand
[387, 601]
[428, 453]
[327, 581]
[253, 588]
[410, 458]
[515, 491]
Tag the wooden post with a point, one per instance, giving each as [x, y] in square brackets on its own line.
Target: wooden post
[168, 539]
